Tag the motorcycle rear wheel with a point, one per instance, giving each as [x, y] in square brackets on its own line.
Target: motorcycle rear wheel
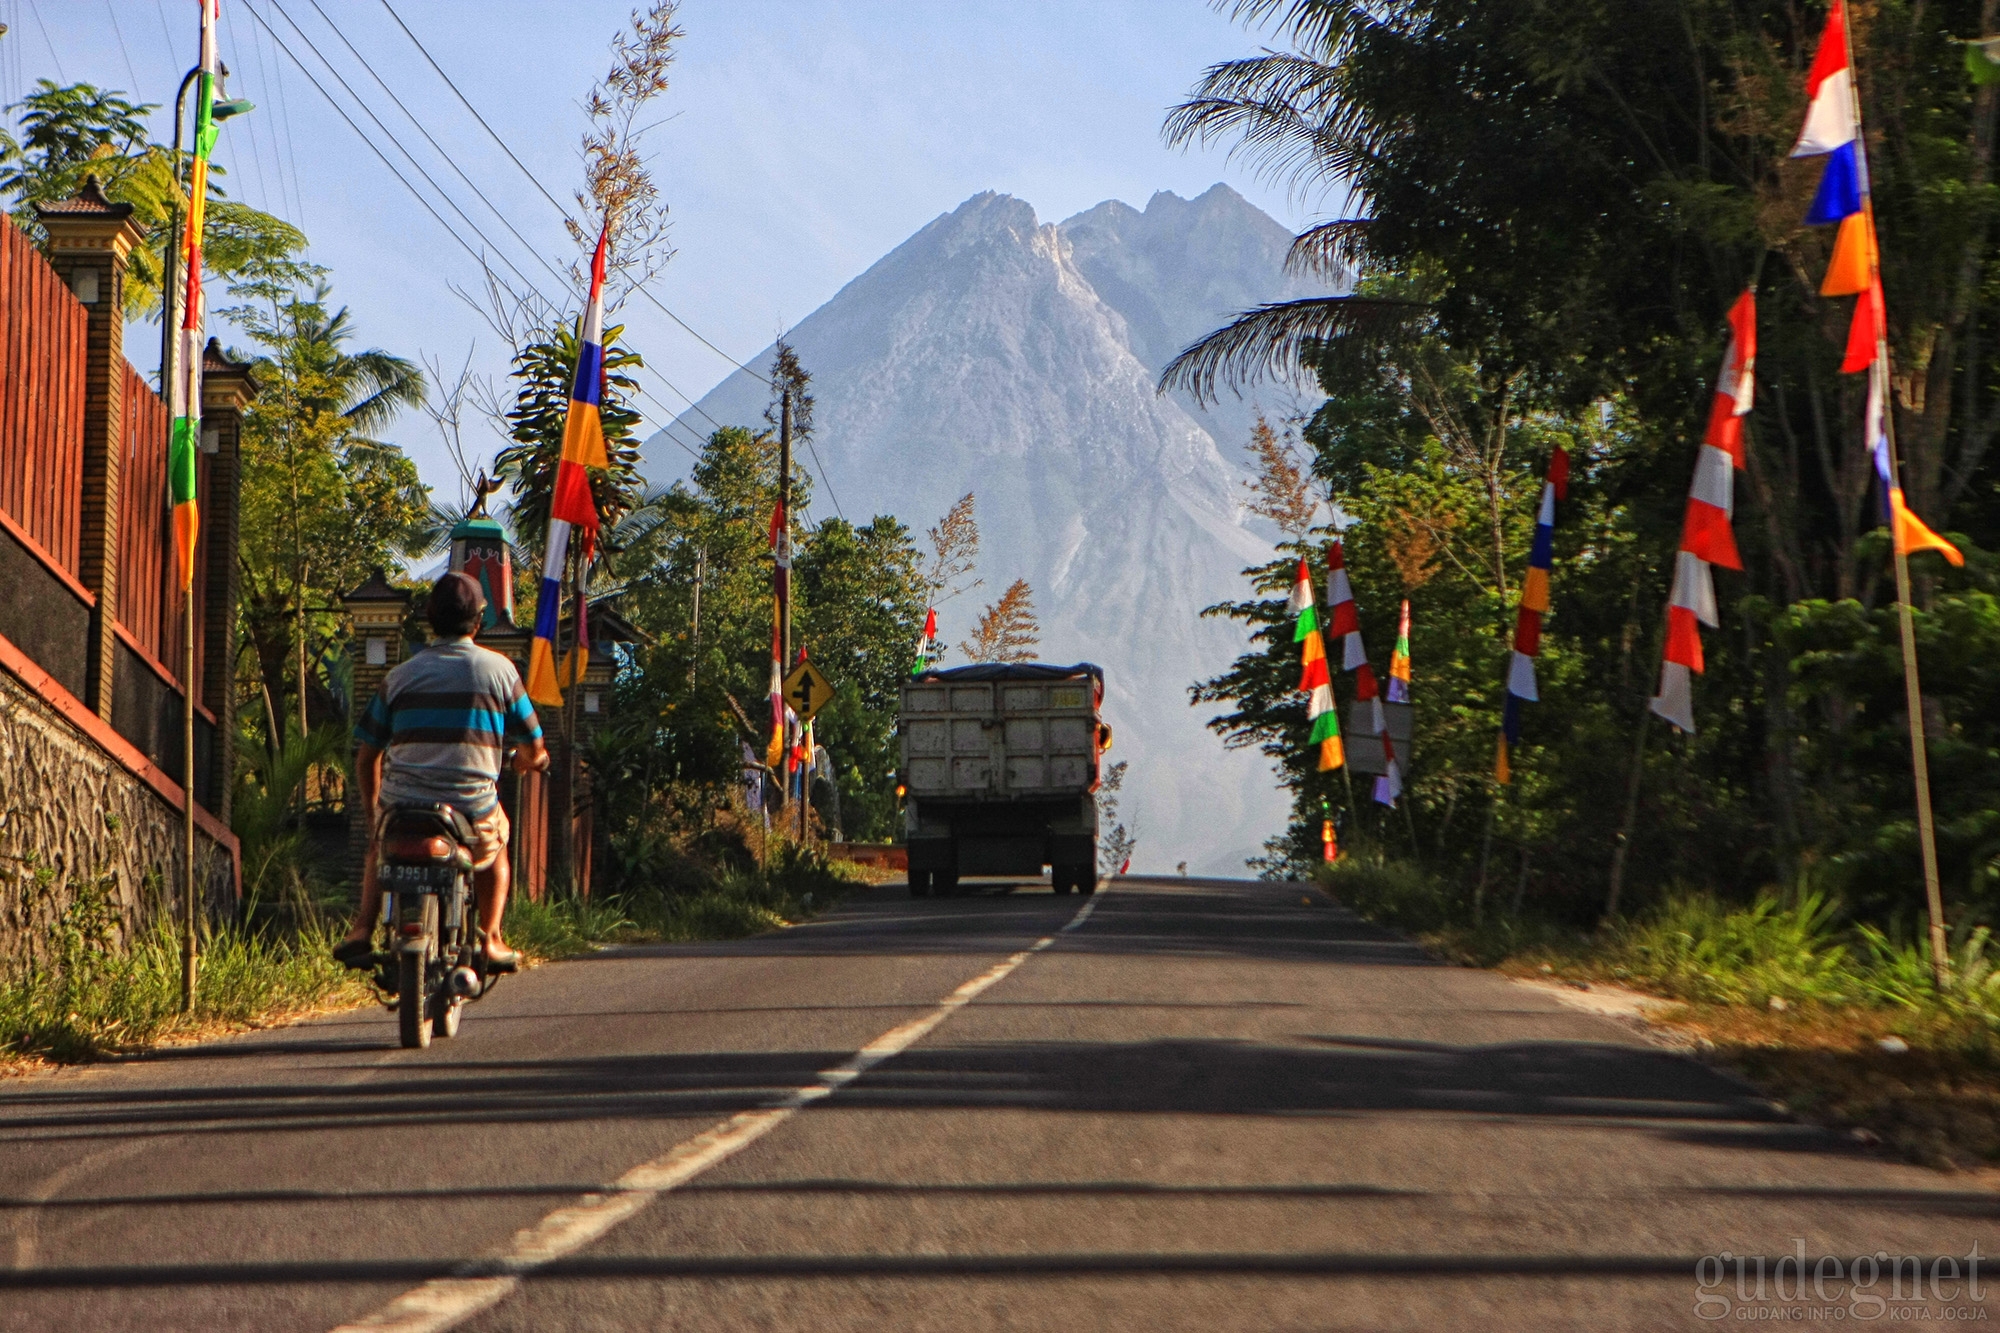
[410, 1008]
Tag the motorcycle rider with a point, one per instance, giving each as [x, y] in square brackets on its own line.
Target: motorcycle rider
[440, 721]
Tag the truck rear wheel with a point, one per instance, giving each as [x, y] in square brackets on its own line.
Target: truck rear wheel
[920, 883]
[1086, 880]
[1059, 879]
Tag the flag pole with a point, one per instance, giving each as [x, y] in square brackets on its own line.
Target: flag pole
[1905, 620]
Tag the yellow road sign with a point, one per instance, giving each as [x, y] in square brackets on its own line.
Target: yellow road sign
[806, 691]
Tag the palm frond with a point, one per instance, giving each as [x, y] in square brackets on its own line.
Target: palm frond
[382, 384]
[1287, 116]
[1331, 250]
[1326, 27]
[1275, 337]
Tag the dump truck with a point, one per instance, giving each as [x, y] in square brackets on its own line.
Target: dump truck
[999, 765]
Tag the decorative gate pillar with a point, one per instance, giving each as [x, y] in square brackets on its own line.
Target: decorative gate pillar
[89, 240]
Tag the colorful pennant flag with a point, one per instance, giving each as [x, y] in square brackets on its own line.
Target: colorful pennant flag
[1833, 131]
[781, 574]
[1354, 657]
[185, 391]
[1707, 537]
[572, 505]
[1399, 661]
[926, 642]
[1314, 681]
[1389, 786]
[1833, 128]
[1528, 620]
[1909, 532]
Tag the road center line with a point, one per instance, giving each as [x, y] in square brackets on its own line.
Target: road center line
[484, 1283]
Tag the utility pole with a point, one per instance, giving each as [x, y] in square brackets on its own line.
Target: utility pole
[785, 537]
[785, 557]
[694, 644]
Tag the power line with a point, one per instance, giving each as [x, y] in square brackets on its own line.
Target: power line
[669, 419]
[813, 449]
[256, 140]
[553, 202]
[50, 42]
[120, 34]
[452, 162]
[467, 104]
[391, 137]
[405, 180]
[449, 160]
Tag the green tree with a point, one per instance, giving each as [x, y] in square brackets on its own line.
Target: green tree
[1550, 204]
[545, 371]
[76, 131]
[324, 502]
[861, 607]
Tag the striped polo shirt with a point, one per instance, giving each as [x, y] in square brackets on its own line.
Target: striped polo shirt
[441, 719]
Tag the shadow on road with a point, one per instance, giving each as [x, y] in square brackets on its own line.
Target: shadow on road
[1331, 1076]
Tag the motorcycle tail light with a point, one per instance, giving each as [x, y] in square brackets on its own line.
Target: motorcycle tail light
[413, 927]
[420, 849]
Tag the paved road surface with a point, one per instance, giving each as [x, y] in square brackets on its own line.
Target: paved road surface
[1208, 1106]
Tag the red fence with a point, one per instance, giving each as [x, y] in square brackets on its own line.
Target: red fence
[149, 596]
[42, 329]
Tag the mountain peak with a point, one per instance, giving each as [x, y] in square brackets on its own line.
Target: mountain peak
[997, 354]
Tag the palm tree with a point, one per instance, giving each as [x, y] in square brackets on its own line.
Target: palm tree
[1290, 114]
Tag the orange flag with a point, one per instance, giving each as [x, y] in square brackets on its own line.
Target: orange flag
[1912, 534]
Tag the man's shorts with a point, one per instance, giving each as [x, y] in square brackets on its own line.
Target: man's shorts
[489, 837]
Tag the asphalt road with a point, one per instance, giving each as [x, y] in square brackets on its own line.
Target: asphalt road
[1211, 1105]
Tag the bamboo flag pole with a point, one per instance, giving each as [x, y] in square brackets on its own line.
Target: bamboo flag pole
[1912, 688]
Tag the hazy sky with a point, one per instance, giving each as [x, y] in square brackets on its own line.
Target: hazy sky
[801, 141]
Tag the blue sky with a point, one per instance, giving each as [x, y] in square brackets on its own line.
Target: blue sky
[801, 141]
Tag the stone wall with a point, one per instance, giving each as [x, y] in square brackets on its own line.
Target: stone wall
[72, 814]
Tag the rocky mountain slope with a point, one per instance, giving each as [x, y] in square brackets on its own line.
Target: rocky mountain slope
[996, 354]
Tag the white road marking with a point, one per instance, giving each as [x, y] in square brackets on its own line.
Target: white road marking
[443, 1302]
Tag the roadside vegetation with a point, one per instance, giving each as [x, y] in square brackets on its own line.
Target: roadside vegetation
[1838, 1017]
[328, 496]
[1537, 214]
[86, 995]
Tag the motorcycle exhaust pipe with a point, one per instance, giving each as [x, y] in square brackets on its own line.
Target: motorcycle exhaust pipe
[466, 983]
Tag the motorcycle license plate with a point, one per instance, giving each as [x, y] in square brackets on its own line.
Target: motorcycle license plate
[418, 877]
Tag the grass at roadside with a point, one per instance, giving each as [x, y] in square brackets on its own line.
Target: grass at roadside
[1842, 1022]
[88, 999]
[85, 998]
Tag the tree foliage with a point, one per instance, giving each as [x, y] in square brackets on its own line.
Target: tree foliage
[324, 502]
[1562, 197]
[71, 132]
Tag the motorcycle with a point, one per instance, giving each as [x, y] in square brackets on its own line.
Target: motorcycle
[431, 965]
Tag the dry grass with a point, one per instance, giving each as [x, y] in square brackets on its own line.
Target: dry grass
[1782, 990]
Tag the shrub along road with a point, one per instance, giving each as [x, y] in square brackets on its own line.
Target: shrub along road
[1206, 1104]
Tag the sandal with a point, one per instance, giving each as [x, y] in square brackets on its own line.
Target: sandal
[502, 959]
[357, 954]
